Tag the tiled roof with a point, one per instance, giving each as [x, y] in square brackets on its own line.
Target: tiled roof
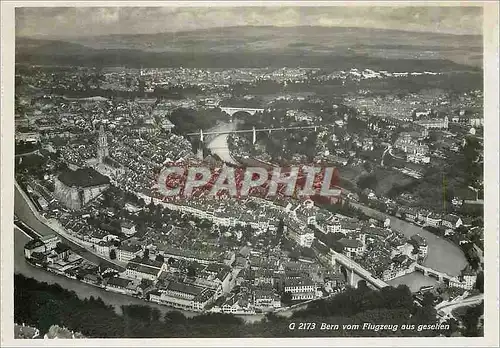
[418, 239]
[142, 268]
[184, 288]
[350, 243]
[118, 282]
[32, 244]
[130, 247]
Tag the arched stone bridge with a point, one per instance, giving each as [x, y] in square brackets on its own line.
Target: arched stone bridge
[232, 110]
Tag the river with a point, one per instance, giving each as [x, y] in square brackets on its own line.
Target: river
[82, 290]
[26, 215]
[218, 144]
[414, 281]
[442, 255]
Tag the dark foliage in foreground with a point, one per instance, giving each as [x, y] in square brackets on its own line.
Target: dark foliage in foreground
[42, 305]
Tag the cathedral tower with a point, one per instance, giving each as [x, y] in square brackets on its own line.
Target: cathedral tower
[102, 145]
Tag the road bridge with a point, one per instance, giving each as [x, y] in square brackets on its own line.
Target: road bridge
[429, 272]
[447, 307]
[355, 272]
[232, 110]
[211, 134]
[254, 131]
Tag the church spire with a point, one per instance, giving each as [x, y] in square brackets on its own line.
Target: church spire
[102, 145]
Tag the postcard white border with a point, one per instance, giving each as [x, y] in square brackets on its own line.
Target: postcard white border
[491, 114]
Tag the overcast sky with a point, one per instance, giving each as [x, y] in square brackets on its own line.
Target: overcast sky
[63, 22]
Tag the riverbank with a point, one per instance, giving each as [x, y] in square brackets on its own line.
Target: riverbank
[29, 215]
[218, 145]
[81, 289]
[85, 290]
[414, 281]
[442, 255]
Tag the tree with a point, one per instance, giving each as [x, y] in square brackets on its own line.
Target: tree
[428, 299]
[480, 282]
[145, 255]
[175, 317]
[471, 320]
[286, 298]
[272, 317]
[337, 247]
[191, 272]
[453, 324]
[160, 258]
[294, 255]
[146, 282]
[112, 254]
[308, 252]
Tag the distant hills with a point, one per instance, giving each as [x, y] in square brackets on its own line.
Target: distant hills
[261, 46]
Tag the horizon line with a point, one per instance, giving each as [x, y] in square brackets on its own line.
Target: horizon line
[53, 37]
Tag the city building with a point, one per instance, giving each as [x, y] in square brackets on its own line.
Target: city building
[408, 214]
[164, 298]
[104, 248]
[34, 246]
[128, 228]
[352, 247]
[151, 269]
[300, 288]
[409, 142]
[28, 137]
[121, 285]
[466, 280]
[50, 241]
[418, 158]
[436, 123]
[476, 121]
[334, 227]
[401, 265]
[104, 163]
[91, 279]
[237, 304]
[203, 299]
[182, 290]
[183, 296]
[348, 227]
[376, 232]
[139, 270]
[60, 252]
[266, 298]
[300, 233]
[420, 243]
[127, 252]
[451, 221]
[433, 220]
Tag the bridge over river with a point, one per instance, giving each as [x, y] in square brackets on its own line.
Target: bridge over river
[355, 272]
[443, 258]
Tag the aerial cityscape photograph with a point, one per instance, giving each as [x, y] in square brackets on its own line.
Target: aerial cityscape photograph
[241, 172]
